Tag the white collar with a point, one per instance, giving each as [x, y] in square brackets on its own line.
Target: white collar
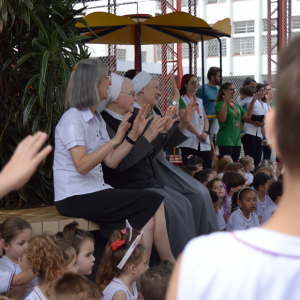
[114, 115]
[136, 105]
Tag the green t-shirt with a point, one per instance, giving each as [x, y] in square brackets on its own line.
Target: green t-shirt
[228, 134]
[182, 104]
[272, 104]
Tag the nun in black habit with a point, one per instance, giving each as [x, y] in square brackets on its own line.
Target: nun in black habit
[135, 170]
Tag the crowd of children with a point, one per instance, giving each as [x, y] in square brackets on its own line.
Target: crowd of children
[242, 197]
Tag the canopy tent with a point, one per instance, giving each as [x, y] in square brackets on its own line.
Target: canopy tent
[176, 27]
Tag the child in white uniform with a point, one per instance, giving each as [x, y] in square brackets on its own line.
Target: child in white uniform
[16, 233]
[275, 192]
[122, 264]
[261, 183]
[49, 258]
[259, 263]
[218, 186]
[233, 181]
[7, 279]
[242, 212]
[248, 163]
[219, 214]
[83, 243]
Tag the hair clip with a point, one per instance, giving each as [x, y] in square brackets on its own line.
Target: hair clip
[74, 69]
[123, 231]
[130, 228]
[117, 244]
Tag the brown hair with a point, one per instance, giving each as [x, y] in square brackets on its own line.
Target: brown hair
[210, 184]
[155, 280]
[185, 79]
[233, 167]
[246, 160]
[219, 163]
[108, 267]
[233, 179]
[46, 256]
[263, 169]
[75, 236]
[13, 226]
[288, 105]
[194, 160]
[202, 175]
[247, 90]
[223, 87]
[190, 169]
[213, 71]
[73, 286]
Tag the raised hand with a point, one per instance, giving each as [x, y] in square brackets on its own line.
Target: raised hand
[24, 162]
[123, 127]
[169, 117]
[141, 121]
[227, 96]
[188, 112]
[156, 126]
[174, 89]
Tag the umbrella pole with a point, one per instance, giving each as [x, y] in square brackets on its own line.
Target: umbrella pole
[137, 48]
[202, 56]
[220, 60]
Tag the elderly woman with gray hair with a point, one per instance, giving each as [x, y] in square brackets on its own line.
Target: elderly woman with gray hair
[82, 144]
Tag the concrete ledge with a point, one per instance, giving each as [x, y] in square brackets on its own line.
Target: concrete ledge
[46, 219]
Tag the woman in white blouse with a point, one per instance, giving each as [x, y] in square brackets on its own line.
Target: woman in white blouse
[82, 144]
[253, 128]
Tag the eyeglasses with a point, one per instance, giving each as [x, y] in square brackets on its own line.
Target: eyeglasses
[194, 82]
[130, 94]
[269, 90]
[233, 90]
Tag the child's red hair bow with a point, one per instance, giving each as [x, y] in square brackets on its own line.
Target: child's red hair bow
[117, 244]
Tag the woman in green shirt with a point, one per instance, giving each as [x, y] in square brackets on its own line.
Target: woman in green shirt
[230, 114]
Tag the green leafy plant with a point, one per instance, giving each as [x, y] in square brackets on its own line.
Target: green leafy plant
[39, 45]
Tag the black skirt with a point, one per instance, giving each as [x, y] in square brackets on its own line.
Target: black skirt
[111, 207]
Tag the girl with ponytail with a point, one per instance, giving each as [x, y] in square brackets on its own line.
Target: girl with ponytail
[49, 259]
[84, 244]
[123, 263]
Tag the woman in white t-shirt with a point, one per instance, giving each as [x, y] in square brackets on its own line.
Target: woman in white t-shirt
[82, 144]
[242, 211]
[198, 143]
[253, 129]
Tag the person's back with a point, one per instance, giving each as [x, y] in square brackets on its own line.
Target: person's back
[259, 263]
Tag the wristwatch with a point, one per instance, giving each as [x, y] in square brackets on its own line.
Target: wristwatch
[207, 132]
[175, 103]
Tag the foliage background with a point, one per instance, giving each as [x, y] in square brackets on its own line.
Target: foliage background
[39, 45]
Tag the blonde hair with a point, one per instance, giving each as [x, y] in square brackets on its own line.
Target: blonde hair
[219, 163]
[46, 256]
[246, 160]
[73, 286]
[82, 88]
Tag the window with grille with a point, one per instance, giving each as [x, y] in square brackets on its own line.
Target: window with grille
[158, 3]
[243, 46]
[121, 54]
[243, 27]
[213, 47]
[186, 2]
[265, 44]
[169, 52]
[274, 23]
[186, 50]
[296, 22]
[144, 56]
[215, 1]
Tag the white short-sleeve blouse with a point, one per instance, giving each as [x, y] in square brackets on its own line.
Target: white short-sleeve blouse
[77, 128]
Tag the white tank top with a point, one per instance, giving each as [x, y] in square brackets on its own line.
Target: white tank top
[117, 285]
